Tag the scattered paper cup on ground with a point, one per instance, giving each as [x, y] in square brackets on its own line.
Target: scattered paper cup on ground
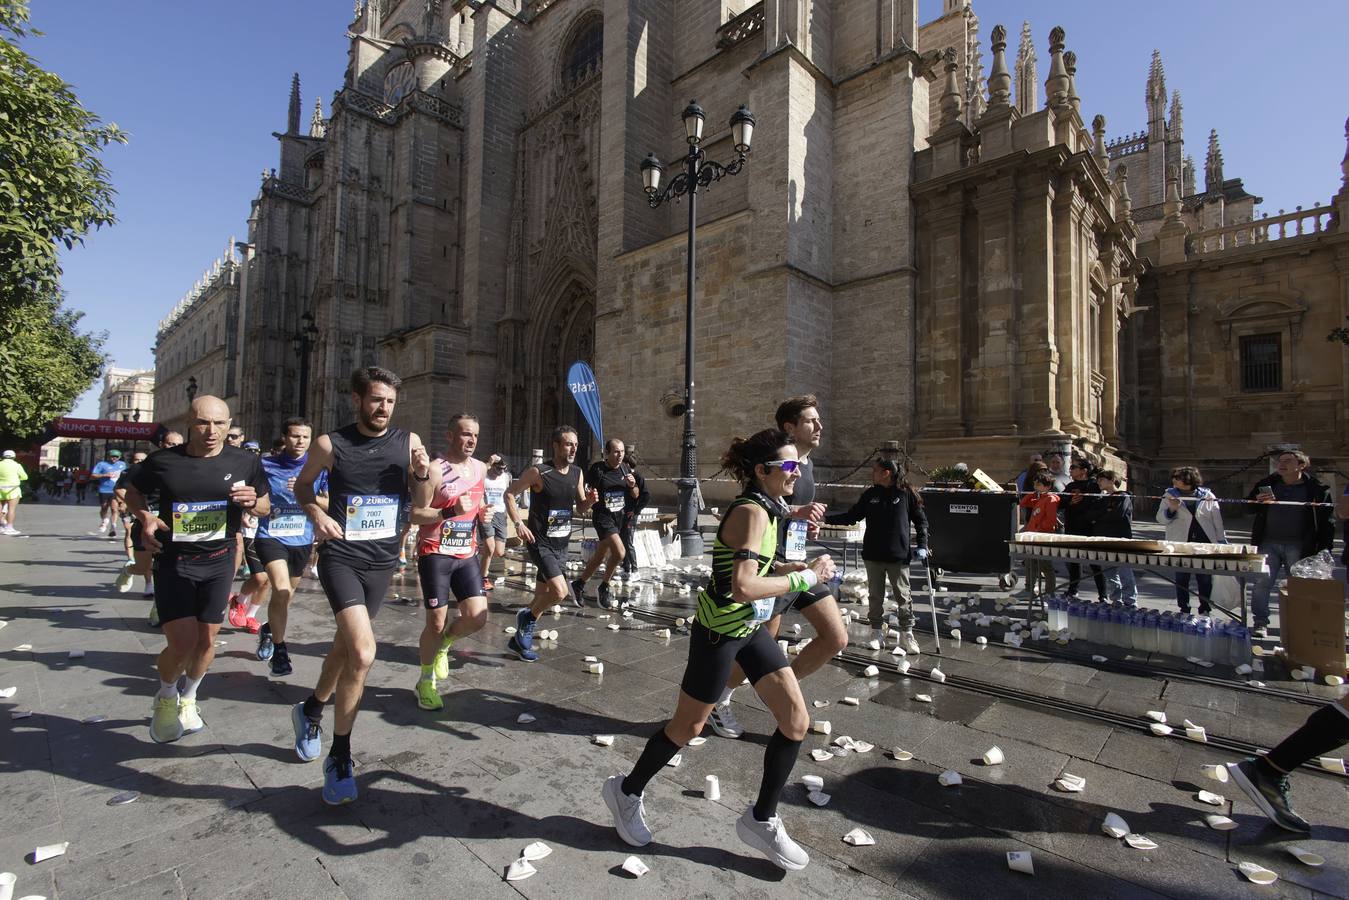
[675, 761]
[1020, 861]
[820, 704]
[635, 867]
[821, 755]
[536, 851]
[993, 756]
[936, 674]
[711, 788]
[1070, 784]
[1217, 773]
[49, 851]
[1197, 733]
[1157, 715]
[1332, 764]
[77, 654]
[1140, 842]
[1257, 873]
[603, 740]
[870, 672]
[813, 782]
[613, 626]
[1219, 823]
[697, 741]
[819, 798]
[849, 701]
[901, 755]
[923, 698]
[591, 659]
[520, 870]
[1306, 857]
[1210, 798]
[949, 778]
[1159, 729]
[6, 693]
[509, 629]
[902, 666]
[820, 726]
[595, 668]
[1114, 825]
[1334, 680]
[859, 838]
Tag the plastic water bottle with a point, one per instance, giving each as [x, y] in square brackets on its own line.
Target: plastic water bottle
[1189, 647]
[1241, 646]
[1203, 639]
[1091, 624]
[1222, 642]
[1152, 631]
[1075, 621]
[1166, 634]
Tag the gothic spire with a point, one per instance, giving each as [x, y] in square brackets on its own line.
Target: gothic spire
[1213, 164]
[950, 103]
[293, 113]
[317, 127]
[999, 81]
[1027, 82]
[1175, 125]
[1156, 98]
[1070, 66]
[1056, 85]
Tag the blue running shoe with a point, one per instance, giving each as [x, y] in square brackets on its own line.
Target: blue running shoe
[524, 629]
[308, 734]
[339, 781]
[265, 645]
[523, 652]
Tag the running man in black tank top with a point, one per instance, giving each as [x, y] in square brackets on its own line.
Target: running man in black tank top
[373, 472]
[554, 490]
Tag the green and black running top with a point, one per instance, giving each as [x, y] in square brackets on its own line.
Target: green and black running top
[717, 611]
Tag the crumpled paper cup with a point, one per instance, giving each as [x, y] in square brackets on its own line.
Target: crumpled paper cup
[901, 755]
[1115, 826]
[1157, 715]
[603, 740]
[1332, 764]
[821, 755]
[819, 798]
[520, 870]
[1306, 857]
[813, 782]
[536, 851]
[859, 838]
[1140, 842]
[1257, 873]
[936, 674]
[949, 778]
[870, 672]
[923, 698]
[1219, 823]
[1020, 861]
[635, 867]
[902, 666]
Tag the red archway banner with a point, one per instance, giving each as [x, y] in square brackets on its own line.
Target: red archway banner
[107, 429]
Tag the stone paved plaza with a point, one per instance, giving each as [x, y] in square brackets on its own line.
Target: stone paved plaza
[449, 799]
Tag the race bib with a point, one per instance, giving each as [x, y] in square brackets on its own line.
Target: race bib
[456, 537]
[371, 517]
[763, 609]
[559, 523]
[286, 522]
[796, 539]
[205, 520]
[613, 501]
[494, 496]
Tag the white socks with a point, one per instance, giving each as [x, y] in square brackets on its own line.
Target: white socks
[168, 689]
[725, 696]
[188, 691]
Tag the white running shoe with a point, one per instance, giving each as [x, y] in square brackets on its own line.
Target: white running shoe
[124, 578]
[189, 715]
[724, 722]
[909, 642]
[771, 839]
[628, 811]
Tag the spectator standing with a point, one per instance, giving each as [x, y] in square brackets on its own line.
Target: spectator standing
[1026, 480]
[1044, 518]
[1054, 460]
[1114, 518]
[1190, 513]
[1287, 527]
[1079, 509]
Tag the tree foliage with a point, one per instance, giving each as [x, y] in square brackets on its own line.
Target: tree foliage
[53, 190]
[54, 187]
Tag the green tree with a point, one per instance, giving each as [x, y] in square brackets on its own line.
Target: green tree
[53, 190]
[54, 187]
[45, 364]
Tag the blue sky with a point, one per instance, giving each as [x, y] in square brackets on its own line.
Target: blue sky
[202, 86]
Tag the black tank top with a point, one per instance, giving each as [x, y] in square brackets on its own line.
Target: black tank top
[368, 491]
[550, 510]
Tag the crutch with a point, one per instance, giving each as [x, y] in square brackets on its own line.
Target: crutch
[932, 599]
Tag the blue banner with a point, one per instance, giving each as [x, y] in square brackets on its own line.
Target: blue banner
[581, 381]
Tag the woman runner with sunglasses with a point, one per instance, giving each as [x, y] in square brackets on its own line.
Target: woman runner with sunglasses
[737, 600]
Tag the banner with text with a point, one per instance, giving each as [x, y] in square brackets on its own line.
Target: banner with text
[581, 381]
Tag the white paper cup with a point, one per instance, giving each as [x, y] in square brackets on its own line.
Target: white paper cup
[993, 756]
[949, 778]
[1020, 861]
[870, 672]
[782, 645]
[903, 666]
[1217, 773]
[812, 782]
[595, 668]
[1332, 764]
[820, 726]
[936, 674]
[1115, 826]
[711, 788]
[635, 867]
[1258, 874]
[7, 880]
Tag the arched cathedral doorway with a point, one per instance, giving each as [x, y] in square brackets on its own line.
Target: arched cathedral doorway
[563, 335]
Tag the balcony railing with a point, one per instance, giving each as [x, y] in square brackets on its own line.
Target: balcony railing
[1265, 230]
[742, 27]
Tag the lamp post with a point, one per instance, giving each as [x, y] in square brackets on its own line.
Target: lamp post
[303, 341]
[699, 172]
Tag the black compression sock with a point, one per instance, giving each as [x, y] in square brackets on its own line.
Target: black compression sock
[341, 746]
[280, 645]
[778, 759]
[659, 750]
[313, 708]
[1324, 730]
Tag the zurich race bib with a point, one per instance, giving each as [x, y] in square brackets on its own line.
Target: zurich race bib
[371, 517]
[559, 523]
[763, 609]
[613, 501]
[204, 520]
[286, 522]
[796, 540]
[456, 537]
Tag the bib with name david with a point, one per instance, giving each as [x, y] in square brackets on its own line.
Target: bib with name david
[456, 536]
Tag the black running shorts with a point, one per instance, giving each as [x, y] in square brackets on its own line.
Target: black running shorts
[270, 550]
[713, 655]
[194, 587]
[550, 561]
[350, 585]
[448, 578]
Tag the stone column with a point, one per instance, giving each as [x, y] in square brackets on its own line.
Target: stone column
[995, 366]
[1037, 356]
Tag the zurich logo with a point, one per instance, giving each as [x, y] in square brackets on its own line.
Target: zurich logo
[356, 501]
[182, 507]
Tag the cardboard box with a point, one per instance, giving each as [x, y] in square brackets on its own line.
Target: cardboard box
[1311, 619]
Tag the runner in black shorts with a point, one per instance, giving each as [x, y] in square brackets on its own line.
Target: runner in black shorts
[374, 471]
[204, 488]
[285, 539]
[611, 479]
[554, 490]
[799, 417]
[727, 630]
[447, 556]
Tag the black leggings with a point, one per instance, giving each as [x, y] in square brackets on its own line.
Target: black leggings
[713, 655]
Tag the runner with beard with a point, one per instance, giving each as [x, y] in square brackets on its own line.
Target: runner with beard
[615, 484]
[374, 471]
[554, 490]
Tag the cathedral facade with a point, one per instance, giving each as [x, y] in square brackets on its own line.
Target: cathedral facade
[947, 250]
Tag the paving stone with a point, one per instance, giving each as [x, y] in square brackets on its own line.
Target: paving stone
[1065, 734]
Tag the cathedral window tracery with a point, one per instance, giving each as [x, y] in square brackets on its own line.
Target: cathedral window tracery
[584, 49]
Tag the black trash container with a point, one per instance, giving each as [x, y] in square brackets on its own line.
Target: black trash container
[969, 531]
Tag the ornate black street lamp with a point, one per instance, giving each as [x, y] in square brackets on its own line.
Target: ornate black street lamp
[699, 172]
[303, 341]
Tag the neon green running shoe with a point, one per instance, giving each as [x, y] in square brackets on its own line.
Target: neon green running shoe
[190, 715]
[427, 696]
[442, 664]
[165, 726]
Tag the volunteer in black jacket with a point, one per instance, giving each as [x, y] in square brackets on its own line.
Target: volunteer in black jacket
[896, 534]
[1079, 509]
[1286, 532]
